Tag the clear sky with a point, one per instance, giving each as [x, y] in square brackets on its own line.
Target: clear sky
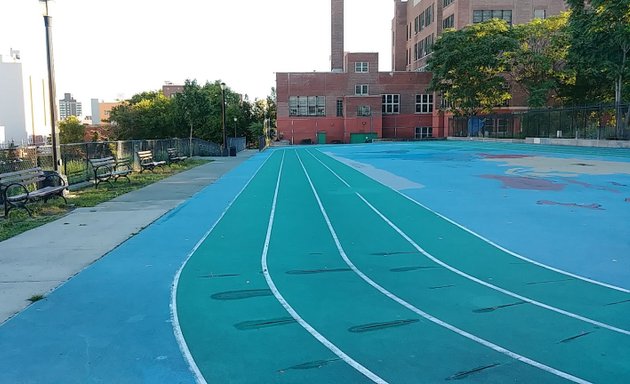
[116, 48]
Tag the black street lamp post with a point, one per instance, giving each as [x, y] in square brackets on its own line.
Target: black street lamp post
[235, 120]
[52, 94]
[224, 149]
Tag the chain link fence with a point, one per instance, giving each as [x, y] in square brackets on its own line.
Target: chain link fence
[75, 157]
[599, 122]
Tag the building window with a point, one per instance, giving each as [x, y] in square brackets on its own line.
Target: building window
[424, 132]
[446, 3]
[391, 104]
[424, 103]
[449, 22]
[364, 110]
[540, 14]
[361, 67]
[361, 89]
[339, 107]
[481, 16]
[307, 106]
[423, 47]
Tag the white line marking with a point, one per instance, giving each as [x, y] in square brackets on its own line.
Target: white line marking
[427, 316]
[174, 317]
[621, 289]
[472, 278]
[354, 364]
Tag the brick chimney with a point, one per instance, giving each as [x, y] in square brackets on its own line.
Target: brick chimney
[336, 53]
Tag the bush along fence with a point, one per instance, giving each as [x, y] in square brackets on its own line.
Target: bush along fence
[599, 122]
[75, 157]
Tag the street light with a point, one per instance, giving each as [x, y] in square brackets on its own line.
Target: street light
[225, 152]
[56, 149]
[235, 120]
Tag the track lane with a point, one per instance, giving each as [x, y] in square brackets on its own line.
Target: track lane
[335, 301]
[487, 262]
[234, 328]
[499, 310]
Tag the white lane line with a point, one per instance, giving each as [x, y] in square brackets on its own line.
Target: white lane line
[174, 317]
[474, 279]
[427, 316]
[621, 289]
[333, 348]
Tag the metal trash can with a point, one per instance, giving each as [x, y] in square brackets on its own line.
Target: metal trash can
[232, 151]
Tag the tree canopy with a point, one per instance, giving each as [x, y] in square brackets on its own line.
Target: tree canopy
[579, 57]
[71, 130]
[196, 110]
[468, 66]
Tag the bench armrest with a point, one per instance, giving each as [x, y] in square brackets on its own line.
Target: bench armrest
[9, 187]
[57, 177]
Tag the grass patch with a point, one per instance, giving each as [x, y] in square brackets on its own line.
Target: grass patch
[35, 298]
[19, 221]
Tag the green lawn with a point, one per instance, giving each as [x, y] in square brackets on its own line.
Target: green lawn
[19, 221]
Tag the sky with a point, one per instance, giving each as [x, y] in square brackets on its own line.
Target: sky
[113, 49]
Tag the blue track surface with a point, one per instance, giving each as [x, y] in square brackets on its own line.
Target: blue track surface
[594, 243]
[112, 322]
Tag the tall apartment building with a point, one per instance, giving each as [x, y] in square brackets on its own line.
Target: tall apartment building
[417, 23]
[12, 103]
[68, 106]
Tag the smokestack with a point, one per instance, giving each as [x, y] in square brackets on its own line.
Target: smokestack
[336, 53]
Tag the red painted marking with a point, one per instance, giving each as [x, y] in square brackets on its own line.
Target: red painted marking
[531, 183]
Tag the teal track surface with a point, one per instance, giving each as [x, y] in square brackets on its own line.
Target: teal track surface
[318, 273]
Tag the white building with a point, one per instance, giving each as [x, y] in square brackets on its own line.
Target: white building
[12, 107]
[24, 111]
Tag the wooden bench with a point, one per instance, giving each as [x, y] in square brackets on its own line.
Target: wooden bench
[107, 169]
[20, 188]
[147, 162]
[174, 156]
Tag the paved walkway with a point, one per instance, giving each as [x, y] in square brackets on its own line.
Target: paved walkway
[38, 261]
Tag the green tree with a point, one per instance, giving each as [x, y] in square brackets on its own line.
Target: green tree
[191, 107]
[539, 63]
[600, 49]
[71, 131]
[469, 66]
[148, 115]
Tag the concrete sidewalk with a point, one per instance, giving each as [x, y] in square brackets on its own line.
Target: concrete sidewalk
[38, 261]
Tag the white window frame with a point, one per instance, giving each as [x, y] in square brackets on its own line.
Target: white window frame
[424, 132]
[361, 67]
[307, 105]
[361, 89]
[391, 103]
[424, 103]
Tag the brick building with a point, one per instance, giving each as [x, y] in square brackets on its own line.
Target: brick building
[354, 102]
[418, 23]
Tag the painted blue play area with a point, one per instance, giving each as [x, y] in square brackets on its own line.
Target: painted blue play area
[574, 219]
[566, 208]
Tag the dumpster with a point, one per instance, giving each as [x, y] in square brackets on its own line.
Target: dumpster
[232, 151]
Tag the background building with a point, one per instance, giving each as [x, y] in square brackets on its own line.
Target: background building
[417, 23]
[68, 106]
[353, 102]
[24, 102]
[12, 106]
